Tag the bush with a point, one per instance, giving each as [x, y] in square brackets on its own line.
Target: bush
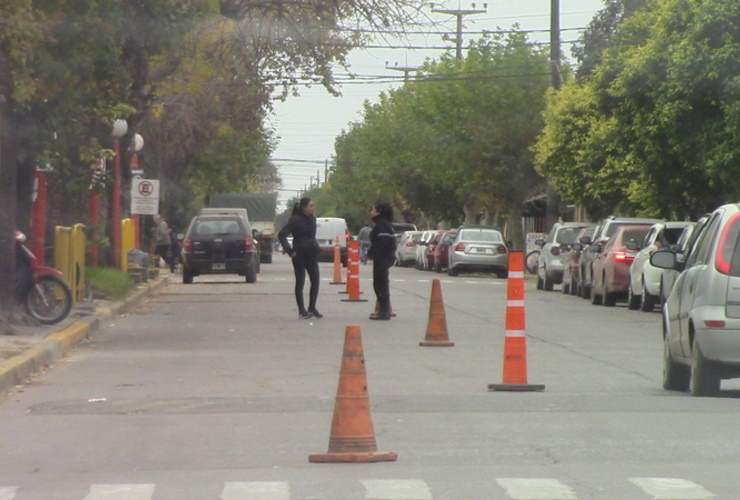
[109, 283]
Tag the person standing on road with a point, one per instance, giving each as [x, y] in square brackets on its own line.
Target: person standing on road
[364, 237]
[161, 239]
[383, 252]
[304, 254]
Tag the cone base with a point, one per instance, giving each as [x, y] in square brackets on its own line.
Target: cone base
[516, 387]
[354, 300]
[337, 283]
[436, 343]
[376, 456]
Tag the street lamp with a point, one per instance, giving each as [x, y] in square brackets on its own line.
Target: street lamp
[120, 127]
[136, 145]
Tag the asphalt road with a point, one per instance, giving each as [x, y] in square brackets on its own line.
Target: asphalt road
[216, 390]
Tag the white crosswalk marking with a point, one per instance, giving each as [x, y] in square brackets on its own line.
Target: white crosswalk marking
[671, 489]
[536, 489]
[396, 489]
[8, 492]
[120, 492]
[256, 490]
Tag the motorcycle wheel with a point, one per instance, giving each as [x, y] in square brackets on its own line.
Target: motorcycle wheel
[49, 301]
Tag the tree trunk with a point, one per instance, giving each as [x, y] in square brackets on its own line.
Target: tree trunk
[8, 175]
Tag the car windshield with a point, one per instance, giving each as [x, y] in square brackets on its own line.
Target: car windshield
[220, 227]
[484, 235]
[567, 235]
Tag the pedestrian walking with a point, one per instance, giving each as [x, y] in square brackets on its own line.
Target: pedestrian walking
[161, 239]
[175, 249]
[364, 237]
[304, 253]
[383, 252]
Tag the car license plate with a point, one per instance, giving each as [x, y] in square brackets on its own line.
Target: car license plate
[218, 267]
[482, 250]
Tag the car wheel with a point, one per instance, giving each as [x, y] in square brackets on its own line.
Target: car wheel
[452, 271]
[585, 291]
[705, 376]
[502, 274]
[437, 267]
[633, 301]
[676, 377]
[648, 301]
[565, 288]
[595, 297]
[574, 287]
[540, 283]
[251, 274]
[187, 276]
[548, 283]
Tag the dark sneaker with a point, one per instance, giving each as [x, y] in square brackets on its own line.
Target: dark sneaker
[305, 315]
[316, 314]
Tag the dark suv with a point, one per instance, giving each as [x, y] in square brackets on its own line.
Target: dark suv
[594, 246]
[219, 244]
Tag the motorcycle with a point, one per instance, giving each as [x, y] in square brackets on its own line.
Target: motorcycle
[46, 298]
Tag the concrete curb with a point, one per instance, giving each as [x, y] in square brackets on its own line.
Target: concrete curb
[16, 370]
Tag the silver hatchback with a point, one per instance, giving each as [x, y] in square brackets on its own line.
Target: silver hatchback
[701, 317]
[478, 248]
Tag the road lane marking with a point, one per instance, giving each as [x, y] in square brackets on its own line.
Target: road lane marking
[663, 488]
[8, 492]
[536, 489]
[120, 492]
[256, 490]
[396, 489]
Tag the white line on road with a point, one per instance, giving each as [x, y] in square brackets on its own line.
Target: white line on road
[536, 489]
[671, 489]
[120, 492]
[8, 492]
[396, 489]
[256, 490]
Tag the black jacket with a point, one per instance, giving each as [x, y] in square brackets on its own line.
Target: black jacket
[382, 240]
[303, 229]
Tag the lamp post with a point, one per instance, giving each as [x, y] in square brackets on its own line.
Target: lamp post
[120, 127]
[136, 145]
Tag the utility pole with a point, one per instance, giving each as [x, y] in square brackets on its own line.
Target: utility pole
[553, 199]
[459, 13]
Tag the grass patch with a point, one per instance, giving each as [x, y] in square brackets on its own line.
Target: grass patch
[9, 354]
[109, 283]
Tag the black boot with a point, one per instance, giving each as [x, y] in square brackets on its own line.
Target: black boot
[383, 312]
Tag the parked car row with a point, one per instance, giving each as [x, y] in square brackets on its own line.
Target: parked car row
[465, 249]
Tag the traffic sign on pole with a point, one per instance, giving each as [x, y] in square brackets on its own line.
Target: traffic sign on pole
[144, 196]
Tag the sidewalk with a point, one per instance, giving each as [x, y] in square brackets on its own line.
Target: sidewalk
[35, 347]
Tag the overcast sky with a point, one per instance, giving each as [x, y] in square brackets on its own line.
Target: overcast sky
[307, 125]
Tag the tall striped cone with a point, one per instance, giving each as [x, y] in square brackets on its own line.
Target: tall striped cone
[515, 343]
[353, 273]
[337, 264]
[437, 335]
[352, 437]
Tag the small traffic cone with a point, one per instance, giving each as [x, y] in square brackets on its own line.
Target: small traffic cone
[353, 273]
[337, 264]
[437, 326]
[515, 342]
[352, 436]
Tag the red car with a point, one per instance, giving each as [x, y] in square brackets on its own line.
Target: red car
[442, 250]
[611, 269]
[429, 254]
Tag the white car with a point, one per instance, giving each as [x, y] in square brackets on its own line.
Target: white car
[406, 248]
[645, 279]
[550, 263]
[421, 246]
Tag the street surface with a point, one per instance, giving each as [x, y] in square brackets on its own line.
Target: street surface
[216, 390]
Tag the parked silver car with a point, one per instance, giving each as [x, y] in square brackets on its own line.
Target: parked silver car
[551, 262]
[478, 248]
[406, 248]
[701, 318]
[644, 290]
[685, 242]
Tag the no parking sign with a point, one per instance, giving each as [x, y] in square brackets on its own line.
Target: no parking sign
[144, 196]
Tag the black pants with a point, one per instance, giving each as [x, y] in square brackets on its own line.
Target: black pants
[163, 251]
[303, 264]
[381, 281]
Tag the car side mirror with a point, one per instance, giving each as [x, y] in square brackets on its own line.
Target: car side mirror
[577, 246]
[586, 240]
[595, 248]
[632, 245]
[665, 259]
[540, 242]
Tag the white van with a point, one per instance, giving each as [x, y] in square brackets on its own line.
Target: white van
[327, 230]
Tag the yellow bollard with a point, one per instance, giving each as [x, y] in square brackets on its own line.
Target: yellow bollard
[128, 241]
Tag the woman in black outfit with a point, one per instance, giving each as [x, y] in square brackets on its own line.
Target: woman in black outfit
[304, 254]
[383, 252]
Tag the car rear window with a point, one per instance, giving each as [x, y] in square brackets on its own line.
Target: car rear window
[220, 227]
[567, 235]
[634, 234]
[485, 235]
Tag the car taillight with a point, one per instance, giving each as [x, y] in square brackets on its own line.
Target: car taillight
[460, 247]
[410, 244]
[622, 256]
[187, 245]
[555, 251]
[716, 323]
[248, 244]
[501, 249]
[726, 247]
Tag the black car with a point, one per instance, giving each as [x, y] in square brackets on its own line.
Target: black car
[219, 244]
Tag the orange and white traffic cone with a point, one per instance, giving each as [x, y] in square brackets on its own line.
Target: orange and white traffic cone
[515, 343]
[352, 437]
[437, 335]
[353, 273]
[337, 264]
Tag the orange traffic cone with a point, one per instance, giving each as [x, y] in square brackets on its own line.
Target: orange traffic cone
[437, 326]
[337, 264]
[515, 343]
[352, 436]
[353, 273]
